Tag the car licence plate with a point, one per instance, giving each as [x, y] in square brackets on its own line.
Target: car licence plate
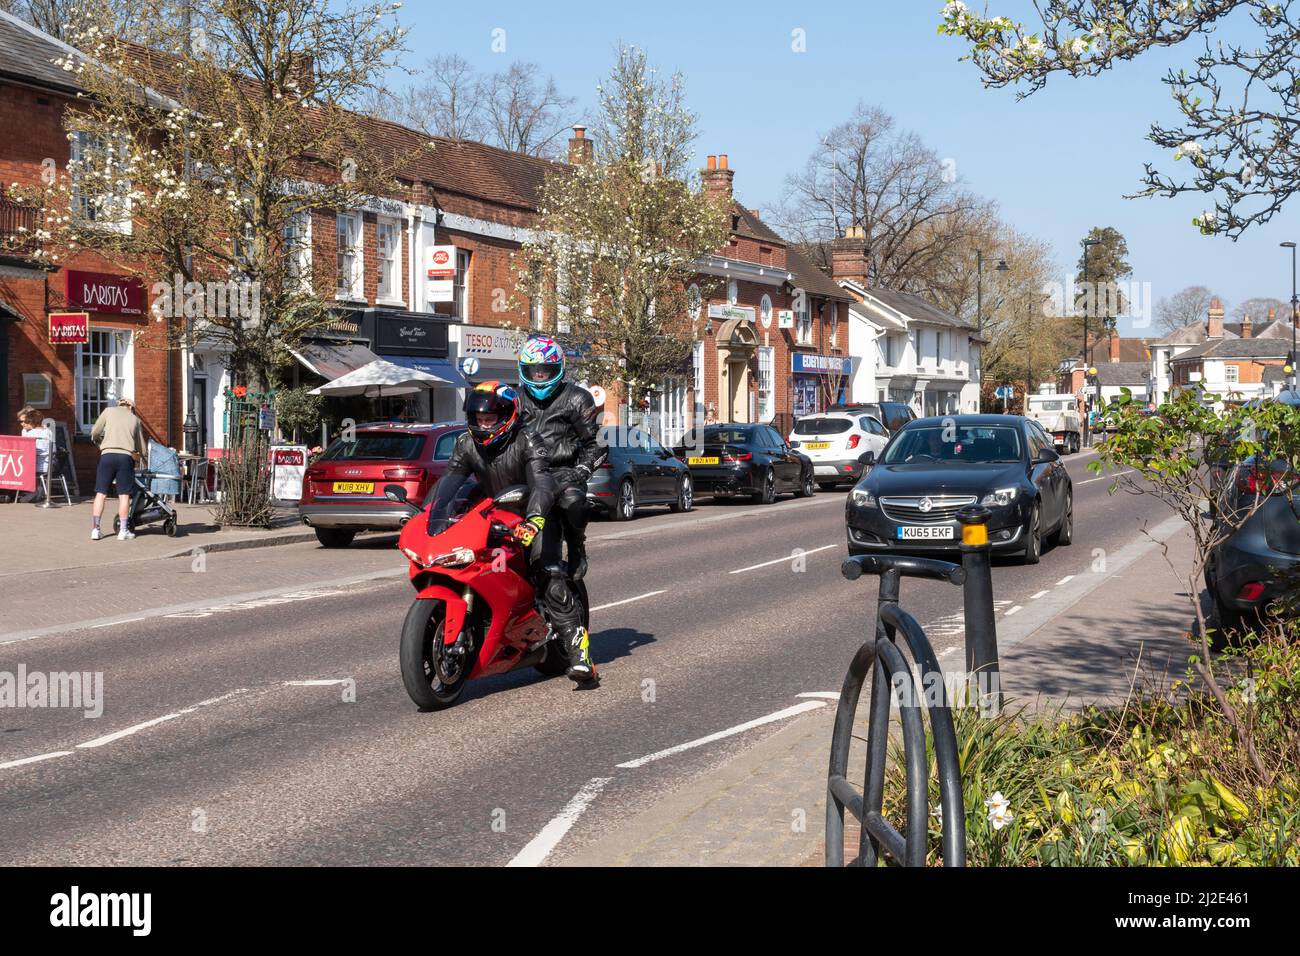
[702, 461]
[354, 487]
[913, 532]
[817, 445]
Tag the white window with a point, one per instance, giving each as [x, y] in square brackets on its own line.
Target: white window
[697, 379]
[388, 248]
[461, 287]
[694, 302]
[1230, 373]
[103, 373]
[766, 385]
[100, 193]
[733, 292]
[802, 319]
[835, 324]
[350, 257]
[765, 311]
[297, 246]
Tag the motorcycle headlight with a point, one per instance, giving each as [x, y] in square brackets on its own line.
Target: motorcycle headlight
[862, 498]
[454, 559]
[1000, 498]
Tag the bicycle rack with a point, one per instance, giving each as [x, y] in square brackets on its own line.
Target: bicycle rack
[881, 657]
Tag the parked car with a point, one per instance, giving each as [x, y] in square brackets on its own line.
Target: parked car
[908, 500]
[639, 473]
[745, 459]
[893, 415]
[1257, 563]
[343, 492]
[1059, 416]
[835, 441]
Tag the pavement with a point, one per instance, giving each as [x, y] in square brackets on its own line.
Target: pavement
[58, 537]
[252, 710]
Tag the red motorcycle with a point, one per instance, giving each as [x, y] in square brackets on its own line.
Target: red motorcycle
[475, 613]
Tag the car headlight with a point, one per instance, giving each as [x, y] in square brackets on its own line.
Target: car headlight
[862, 498]
[1000, 498]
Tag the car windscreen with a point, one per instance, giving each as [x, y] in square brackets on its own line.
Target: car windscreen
[978, 444]
[1046, 406]
[822, 426]
[376, 446]
[727, 436]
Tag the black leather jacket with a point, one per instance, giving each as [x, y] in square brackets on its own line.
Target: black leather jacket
[566, 424]
[521, 461]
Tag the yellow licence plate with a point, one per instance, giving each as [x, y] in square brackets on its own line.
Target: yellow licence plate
[354, 487]
[817, 444]
[702, 461]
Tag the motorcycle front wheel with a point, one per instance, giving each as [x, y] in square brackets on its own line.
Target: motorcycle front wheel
[421, 641]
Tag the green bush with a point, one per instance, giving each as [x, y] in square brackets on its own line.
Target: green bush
[299, 412]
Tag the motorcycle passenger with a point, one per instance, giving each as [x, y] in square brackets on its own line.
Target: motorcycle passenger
[564, 417]
[499, 452]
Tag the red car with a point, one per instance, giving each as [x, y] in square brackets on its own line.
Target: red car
[343, 492]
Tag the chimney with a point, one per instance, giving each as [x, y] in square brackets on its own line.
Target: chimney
[579, 147]
[849, 255]
[302, 71]
[1214, 329]
[756, 213]
[717, 177]
[1247, 325]
[1114, 346]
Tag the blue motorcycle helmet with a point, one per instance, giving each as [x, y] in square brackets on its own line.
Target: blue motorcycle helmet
[541, 367]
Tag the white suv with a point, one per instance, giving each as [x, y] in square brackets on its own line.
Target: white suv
[834, 441]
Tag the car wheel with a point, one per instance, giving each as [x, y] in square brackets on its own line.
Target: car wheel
[1065, 533]
[625, 505]
[334, 537]
[807, 487]
[767, 492]
[685, 495]
[1034, 536]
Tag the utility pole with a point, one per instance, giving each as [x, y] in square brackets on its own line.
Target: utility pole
[1091, 300]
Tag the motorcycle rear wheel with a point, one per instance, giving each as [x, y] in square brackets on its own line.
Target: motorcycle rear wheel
[421, 638]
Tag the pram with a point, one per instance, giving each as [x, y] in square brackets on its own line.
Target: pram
[148, 504]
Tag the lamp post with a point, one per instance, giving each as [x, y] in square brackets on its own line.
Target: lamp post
[979, 287]
[1087, 432]
[1294, 303]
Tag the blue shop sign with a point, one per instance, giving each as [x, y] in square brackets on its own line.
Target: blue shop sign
[802, 362]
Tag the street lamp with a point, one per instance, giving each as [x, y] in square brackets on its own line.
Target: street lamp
[1087, 432]
[979, 287]
[1294, 302]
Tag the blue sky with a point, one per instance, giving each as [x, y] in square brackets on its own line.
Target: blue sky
[1057, 163]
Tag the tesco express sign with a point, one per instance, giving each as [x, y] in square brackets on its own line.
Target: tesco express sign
[493, 344]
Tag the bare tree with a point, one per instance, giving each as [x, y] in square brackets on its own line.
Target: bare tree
[448, 101]
[1183, 307]
[867, 172]
[1258, 309]
[525, 115]
[63, 18]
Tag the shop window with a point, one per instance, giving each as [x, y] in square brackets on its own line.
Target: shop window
[766, 384]
[101, 196]
[103, 373]
[350, 258]
[388, 247]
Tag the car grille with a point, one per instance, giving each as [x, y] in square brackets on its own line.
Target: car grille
[942, 508]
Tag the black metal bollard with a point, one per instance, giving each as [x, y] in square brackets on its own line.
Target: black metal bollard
[981, 629]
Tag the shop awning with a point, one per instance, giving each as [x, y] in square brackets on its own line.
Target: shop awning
[331, 360]
[439, 368]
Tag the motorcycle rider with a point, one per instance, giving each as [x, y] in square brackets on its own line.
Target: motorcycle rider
[564, 417]
[499, 452]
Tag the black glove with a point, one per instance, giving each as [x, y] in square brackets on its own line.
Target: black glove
[571, 476]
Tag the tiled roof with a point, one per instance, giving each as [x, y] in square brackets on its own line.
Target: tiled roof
[1278, 329]
[27, 54]
[1193, 333]
[811, 279]
[915, 307]
[1123, 373]
[749, 225]
[1236, 348]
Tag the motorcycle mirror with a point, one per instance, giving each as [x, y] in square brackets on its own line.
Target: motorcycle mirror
[395, 493]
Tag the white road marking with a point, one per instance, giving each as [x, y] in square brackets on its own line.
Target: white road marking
[253, 605]
[722, 734]
[677, 522]
[1035, 597]
[1088, 481]
[128, 731]
[39, 757]
[1065, 580]
[323, 682]
[540, 846]
[639, 597]
[786, 560]
[129, 620]
[823, 694]
[1015, 610]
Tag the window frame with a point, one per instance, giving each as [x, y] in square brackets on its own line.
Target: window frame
[389, 270]
[355, 291]
[125, 374]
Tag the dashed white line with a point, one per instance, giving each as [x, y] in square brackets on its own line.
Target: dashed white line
[1065, 580]
[639, 597]
[540, 846]
[1035, 597]
[321, 682]
[786, 560]
[135, 729]
[37, 759]
[1118, 474]
[823, 694]
[1015, 610]
[722, 734]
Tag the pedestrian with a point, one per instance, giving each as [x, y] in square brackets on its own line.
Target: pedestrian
[30, 420]
[120, 436]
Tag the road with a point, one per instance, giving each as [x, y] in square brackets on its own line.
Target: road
[253, 712]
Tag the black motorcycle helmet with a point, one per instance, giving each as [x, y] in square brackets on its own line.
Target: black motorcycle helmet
[498, 403]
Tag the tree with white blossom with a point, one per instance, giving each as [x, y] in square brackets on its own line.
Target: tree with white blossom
[1239, 101]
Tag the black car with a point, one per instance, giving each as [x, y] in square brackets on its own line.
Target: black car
[893, 415]
[744, 459]
[639, 471]
[1258, 561]
[931, 469]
